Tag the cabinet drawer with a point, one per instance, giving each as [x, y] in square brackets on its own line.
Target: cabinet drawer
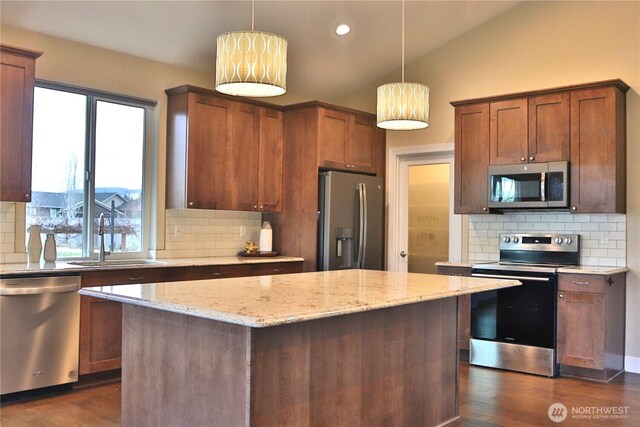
[454, 271]
[582, 283]
[241, 270]
[140, 275]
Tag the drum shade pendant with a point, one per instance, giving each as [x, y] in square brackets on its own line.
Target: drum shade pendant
[403, 106]
[251, 63]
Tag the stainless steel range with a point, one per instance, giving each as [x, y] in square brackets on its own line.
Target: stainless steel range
[515, 328]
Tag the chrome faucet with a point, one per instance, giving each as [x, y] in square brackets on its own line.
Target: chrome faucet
[103, 253]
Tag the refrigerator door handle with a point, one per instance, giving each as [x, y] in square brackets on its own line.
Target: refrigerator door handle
[361, 220]
[365, 216]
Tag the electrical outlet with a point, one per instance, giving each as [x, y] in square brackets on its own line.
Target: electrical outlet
[177, 231]
[243, 230]
[604, 237]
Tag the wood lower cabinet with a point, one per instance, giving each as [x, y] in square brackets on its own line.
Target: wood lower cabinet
[598, 150]
[222, 153]
[17, 79]
[464, 309]
[591, 325]
[101, 320]
[471, 159]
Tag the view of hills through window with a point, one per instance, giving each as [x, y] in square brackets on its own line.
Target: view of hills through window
[87, 161]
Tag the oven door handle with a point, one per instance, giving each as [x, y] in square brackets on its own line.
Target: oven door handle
[497, 276]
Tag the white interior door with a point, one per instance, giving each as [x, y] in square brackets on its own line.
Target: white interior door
[422, 228]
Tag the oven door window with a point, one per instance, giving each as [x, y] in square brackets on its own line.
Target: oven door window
[521, 315]
[516, 188]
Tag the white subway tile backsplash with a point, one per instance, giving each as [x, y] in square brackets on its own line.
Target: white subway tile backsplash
[484, 231]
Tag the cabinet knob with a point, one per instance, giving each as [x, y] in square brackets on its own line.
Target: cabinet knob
[190, 204]
[610, 281]
[255, 206]
[523, 159]
[531, 159]
[561, 296]
[261, 206]
[484, 209]
[573, 208]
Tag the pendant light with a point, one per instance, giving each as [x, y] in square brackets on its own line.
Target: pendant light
[251, 63]
[403, 106]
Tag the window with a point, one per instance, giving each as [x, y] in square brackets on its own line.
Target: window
[88, 160]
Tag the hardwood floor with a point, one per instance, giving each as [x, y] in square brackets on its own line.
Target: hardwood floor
[488, 397]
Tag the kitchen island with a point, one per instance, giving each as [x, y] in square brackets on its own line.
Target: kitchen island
[353, 347]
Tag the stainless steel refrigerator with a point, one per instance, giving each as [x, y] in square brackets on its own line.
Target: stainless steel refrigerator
[350, 221]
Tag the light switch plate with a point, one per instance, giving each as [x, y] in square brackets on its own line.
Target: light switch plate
[604, 237]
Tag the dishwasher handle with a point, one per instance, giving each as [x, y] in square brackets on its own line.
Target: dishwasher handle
[39, 290]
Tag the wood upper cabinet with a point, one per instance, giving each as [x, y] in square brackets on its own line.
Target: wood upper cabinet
[222, 153]
[17, 78]
[199, 130]
[508, 132]
[530, 130]
[270, 160]
[549, 131]
[598, 150]
[346, 141]
[257, 153]
[471, 158]
[591, 325]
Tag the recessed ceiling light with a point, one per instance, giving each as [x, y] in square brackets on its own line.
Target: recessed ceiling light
[343, 29]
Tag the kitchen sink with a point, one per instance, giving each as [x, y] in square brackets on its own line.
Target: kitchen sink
[114, 263]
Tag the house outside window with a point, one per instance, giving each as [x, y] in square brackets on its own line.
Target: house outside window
[89, 159]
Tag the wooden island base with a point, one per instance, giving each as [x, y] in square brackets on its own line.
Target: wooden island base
[393, 366]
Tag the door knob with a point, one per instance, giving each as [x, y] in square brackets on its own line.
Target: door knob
[403, 254]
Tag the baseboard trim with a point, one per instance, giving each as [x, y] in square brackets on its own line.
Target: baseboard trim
[632, 364]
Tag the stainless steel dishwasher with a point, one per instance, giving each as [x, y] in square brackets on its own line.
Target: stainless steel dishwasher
[40, 332]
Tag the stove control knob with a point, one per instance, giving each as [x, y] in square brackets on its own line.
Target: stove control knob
[558, 240]
[515, 239]
[506, 239]
[568, 240]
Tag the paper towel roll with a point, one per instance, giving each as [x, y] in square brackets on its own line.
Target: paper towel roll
[266, 236]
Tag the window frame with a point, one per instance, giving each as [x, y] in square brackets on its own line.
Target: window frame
[149, 106]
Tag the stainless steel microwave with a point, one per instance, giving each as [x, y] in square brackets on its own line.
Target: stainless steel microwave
[533, 185]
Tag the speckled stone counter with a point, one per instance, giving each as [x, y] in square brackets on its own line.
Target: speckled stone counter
[273, 300]
[61, 267]
[330, 348]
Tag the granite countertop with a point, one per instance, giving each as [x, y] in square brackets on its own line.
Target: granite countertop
[64, 267]
[274, 300]
[464, 264]
[588, 269]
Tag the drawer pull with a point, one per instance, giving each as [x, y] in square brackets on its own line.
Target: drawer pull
[135, 279]
[610, 281]
[561, 296]
[277, 270]
[580, 283]
[219, 274]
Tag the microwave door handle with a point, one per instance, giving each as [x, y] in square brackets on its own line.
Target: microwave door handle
[543, 194]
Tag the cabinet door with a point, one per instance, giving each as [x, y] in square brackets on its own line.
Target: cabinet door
[464, 306]
[17, 74]
[333, 129]
[100, 335]
[361, 146]
[471, 159]
[581, 329]
[243, 179]
[549, 132]
[208, 156]
[270, 160]
[598, 151]
[508, 133]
